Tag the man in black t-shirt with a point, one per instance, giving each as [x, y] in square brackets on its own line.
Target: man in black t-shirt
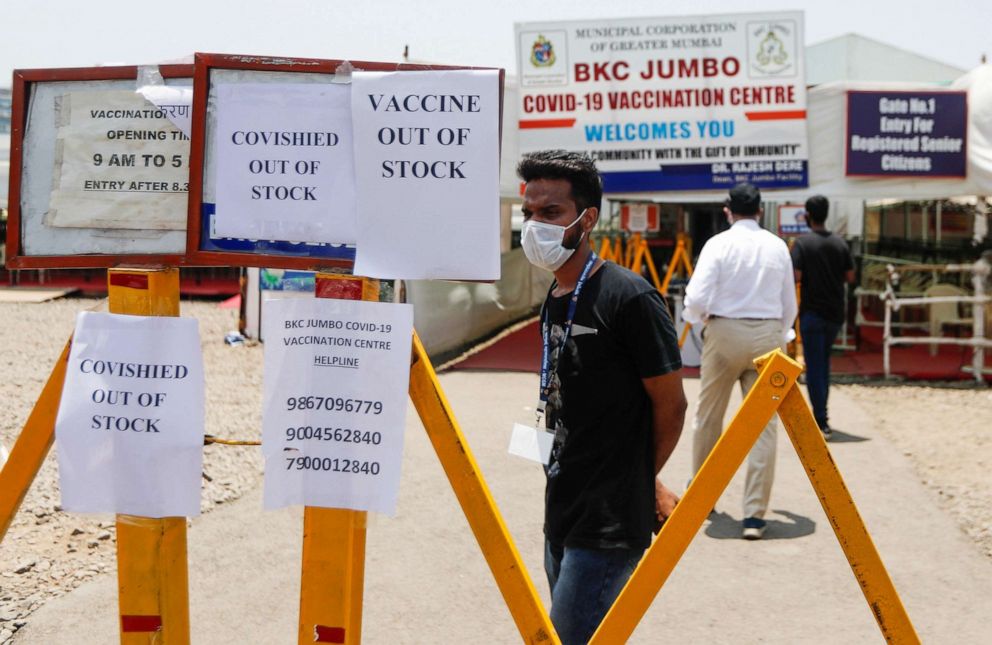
[823, 264]
[612, 396]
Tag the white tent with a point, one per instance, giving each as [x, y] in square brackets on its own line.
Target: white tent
[978, 83]
[827, 119]
[853, 57]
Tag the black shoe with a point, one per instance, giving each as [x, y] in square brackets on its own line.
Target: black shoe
[754, 528]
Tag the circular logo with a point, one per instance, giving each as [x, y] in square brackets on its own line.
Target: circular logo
[542, 54]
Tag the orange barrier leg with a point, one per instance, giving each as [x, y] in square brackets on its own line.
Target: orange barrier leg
[638, 262]
[672, 264]
[838, 505]
[477, 503]
[32, 445]
[332, 583]
[653, 271]
[152, 578]
[685, 334]
[605, 251]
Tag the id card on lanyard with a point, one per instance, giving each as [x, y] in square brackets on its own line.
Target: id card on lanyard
[535, 443]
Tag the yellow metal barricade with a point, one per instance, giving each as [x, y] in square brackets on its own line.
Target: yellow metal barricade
[775, 391]
[152, 552]
[680, 262]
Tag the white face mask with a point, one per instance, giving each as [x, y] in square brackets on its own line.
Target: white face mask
[542, 243]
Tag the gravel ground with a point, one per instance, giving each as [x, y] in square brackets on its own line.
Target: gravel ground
[46, 553]
[947, 434]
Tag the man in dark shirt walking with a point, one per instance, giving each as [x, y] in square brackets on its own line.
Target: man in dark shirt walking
[611, 394]
[823, 264]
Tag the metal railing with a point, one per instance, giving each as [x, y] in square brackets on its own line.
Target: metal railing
[980, 271]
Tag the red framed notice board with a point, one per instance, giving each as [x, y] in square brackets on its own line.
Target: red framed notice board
[272, 140]
[99, 167]
[640, 217]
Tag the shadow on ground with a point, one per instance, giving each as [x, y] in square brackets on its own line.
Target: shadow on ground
[837, 436]
[724, 527]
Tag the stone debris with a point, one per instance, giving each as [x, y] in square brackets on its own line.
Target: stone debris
[47, 552]
[952, 460]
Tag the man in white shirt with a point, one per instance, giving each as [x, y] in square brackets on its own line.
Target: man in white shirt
[744, 291]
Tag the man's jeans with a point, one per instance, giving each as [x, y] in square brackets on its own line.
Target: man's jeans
[818, 336]
[584, 583]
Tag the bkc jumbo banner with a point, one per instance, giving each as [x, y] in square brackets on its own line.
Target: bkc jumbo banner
[687, 103]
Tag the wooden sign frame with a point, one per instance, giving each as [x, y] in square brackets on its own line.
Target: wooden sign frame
[244, 253]
[23, 83]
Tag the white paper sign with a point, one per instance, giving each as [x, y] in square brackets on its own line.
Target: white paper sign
[427, 166]
[336, 379]
[284, 168]
[120, 163]
[175, 102]
[638, 222]
[129, 432]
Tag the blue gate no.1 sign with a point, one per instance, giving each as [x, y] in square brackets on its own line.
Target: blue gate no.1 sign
[900, 134]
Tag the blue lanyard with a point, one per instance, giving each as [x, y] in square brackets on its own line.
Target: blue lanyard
[546, 367]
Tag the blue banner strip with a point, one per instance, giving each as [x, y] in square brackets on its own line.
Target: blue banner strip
[268, 247]
[688, 177]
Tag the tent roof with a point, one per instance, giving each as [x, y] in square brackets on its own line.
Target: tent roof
[853, 57]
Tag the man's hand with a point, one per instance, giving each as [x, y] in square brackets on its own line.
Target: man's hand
[668, 406]
[664, 502]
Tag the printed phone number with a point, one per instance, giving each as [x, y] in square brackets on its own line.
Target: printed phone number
[340, 435]
[333, 404]
[333, 465]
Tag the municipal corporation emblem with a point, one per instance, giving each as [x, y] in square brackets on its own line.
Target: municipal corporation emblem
[771, 51]
[772, 48]
[547, 51]
[542, 54]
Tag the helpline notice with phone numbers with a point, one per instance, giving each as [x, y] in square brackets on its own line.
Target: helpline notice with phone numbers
[336, 379]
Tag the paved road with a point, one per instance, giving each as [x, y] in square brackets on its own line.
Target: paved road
[426, 581]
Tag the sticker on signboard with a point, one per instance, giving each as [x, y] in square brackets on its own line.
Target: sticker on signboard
[792, 219]
[639, 217]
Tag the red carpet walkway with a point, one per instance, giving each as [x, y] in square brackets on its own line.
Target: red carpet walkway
[516, 351]
[520, 351]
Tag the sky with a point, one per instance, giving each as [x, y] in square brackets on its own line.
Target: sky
[69, 33]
